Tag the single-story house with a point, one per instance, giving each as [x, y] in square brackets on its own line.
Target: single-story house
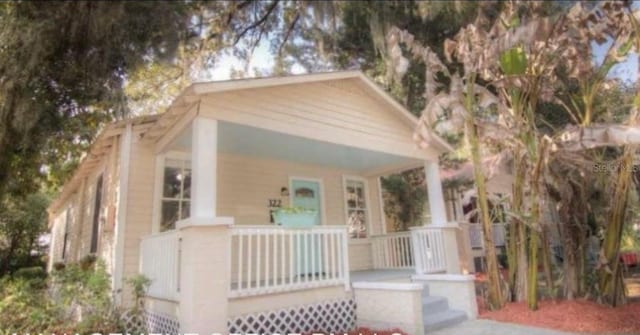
[255, 205]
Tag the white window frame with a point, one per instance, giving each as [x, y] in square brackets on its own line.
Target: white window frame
[158, 185]
[323, 210]
[367, 200]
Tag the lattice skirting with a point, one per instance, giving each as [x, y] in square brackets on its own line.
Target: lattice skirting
[332, 316]
[150, 322]
[161, 323]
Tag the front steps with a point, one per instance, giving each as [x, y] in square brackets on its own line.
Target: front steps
[436, 313]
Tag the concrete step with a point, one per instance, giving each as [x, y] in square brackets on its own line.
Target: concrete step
[434, 304]
[442, 319]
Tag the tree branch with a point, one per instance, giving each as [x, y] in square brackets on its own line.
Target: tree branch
[238, 7]
[286, 36]
[260, 21]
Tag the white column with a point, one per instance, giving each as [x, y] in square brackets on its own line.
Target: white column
[434, 190]
[439, 216]
[204, 155]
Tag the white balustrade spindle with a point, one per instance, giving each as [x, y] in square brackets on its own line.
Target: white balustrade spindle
[392, 251]
[429, 252]
[268, 260]
[160, 262]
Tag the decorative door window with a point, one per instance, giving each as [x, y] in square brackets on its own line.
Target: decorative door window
[176, 193]
[356, 205]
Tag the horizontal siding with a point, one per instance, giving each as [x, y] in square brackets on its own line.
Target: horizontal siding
[320, 111]
[57, 235]
[81, 206]
[245, 184]
[139, 206]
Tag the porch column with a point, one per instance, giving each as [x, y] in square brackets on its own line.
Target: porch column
[434, 190]
[204, 155]
[205, 241]
[439, 216]
[204, 278]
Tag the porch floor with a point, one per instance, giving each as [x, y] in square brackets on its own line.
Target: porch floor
[382, 275]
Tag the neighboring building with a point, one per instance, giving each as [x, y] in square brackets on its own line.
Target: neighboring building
[187, 198]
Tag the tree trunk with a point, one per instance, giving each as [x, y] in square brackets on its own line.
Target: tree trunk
[496, 300]
[537, 153]
[546, 262]
[571, 290]
[611, 285]
[532, 292]
[518, 268]
[5, 264]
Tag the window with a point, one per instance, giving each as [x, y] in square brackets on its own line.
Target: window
[176, 193]
[356, 207]
[65, 240]
[95, 230]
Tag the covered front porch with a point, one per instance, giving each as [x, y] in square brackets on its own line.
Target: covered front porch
[248, 172]
[251, 172]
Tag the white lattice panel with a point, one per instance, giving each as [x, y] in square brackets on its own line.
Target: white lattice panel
[150, 323]
[333, 316]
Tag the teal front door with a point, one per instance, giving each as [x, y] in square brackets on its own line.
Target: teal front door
[307, 194]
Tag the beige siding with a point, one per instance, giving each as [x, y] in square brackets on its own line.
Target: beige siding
[106, 244]
[81, 207]
[57, 236]
[245, 184]
[338, 112]
[139, 205]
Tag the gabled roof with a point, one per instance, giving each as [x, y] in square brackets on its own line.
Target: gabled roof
[198, 89]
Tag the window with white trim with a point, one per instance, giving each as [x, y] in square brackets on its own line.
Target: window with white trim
[176, 192]
[356, 207]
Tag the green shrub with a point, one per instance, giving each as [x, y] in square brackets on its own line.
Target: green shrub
[76, 298]
[86, 289]
[34, 272]
[139, 285]
[58, 266]
[87, 262]
[25, 307]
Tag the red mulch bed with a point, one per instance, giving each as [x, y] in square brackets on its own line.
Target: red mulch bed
[580, 316]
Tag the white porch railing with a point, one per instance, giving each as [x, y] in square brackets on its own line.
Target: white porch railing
[429, 252]
[267, 260]
[392, 251]
[476, 235]
[159, 261]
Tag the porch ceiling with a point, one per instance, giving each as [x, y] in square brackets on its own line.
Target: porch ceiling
[250, 141]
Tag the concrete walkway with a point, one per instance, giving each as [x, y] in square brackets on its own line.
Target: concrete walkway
[489, 327]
